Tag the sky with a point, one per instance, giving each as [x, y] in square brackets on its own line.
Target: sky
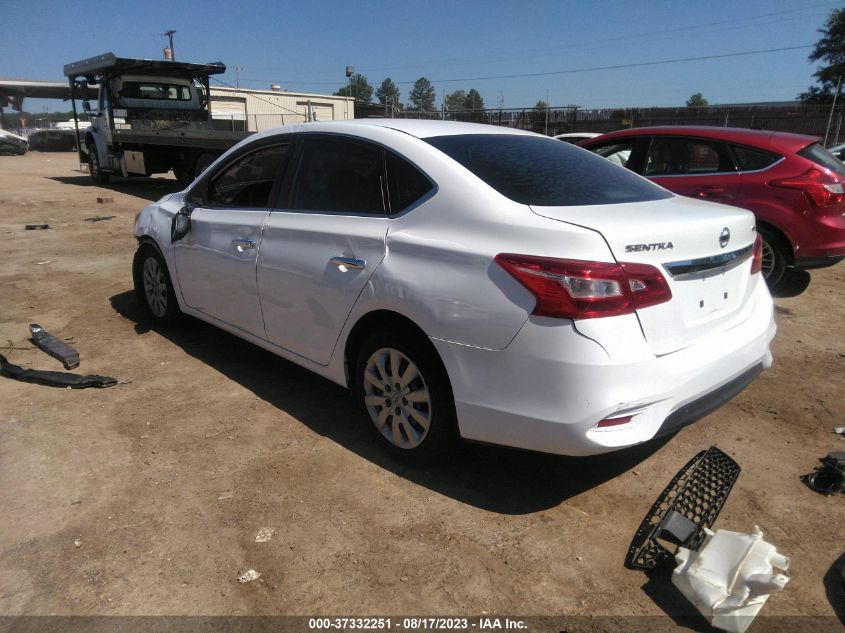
[513, 52]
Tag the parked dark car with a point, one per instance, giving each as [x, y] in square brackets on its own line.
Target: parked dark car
[52, 140]
[793, 185]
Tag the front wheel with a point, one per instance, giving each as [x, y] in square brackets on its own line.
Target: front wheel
[94, 168]
[153, 287]
[406, 394]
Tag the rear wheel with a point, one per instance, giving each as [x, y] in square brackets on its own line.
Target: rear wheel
[94, 168]
[153, 287]
[203, 163]
[775, 256]
[407, 396]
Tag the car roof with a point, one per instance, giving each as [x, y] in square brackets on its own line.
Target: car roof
[780, 141]
[413, 127]
[578, 135]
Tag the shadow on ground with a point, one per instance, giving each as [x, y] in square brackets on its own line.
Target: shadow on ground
[834, 587]
[147, 188]
[492, 478]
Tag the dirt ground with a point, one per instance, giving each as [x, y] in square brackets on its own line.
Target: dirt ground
[109, 499]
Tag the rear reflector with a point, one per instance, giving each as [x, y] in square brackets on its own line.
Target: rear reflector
[614, 422]
[757, 256]
[820, 188]
[575, 289]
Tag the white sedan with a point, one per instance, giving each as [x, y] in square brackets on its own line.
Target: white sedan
[467, 281]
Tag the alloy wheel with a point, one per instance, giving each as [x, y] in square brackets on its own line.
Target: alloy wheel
[155, 287]
[768, 260]
[397, 398]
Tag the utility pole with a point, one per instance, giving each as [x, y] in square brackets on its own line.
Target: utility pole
[350, 70]
[832, 106]
[238, 70]
[169, 35]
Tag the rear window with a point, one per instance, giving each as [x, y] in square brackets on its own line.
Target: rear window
[159, 91]
[544, 171]
[753, 159]
[820, 156]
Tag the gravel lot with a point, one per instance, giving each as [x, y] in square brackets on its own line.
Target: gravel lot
[110, 498]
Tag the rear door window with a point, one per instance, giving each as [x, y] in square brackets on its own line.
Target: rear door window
[339, 176]
[687, 156]
[545, 172]
[820, 156]
[618, 152]
[406, 184]
[749, 159]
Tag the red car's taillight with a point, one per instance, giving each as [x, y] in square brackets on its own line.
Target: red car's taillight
[757, 256]
[575, 289]
[820, 187]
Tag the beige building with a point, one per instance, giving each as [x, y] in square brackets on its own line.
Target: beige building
[256, 110]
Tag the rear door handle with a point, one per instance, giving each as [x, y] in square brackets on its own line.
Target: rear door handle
[709, 191]
[345, 263]
[243, 245]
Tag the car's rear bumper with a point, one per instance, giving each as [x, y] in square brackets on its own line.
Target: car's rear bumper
[549, 388]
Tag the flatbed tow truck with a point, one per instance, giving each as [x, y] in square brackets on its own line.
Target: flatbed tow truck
[151, 116]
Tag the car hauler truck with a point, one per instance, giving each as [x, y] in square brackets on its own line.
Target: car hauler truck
[154, 116]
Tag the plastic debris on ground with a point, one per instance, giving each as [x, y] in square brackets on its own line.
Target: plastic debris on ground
[829, 478]
[59, 350]
[225, 496]
[100, 218]
[36, 227]
[730, 577]
[53, 378]
[264, 534]
[840, 430]
[248, 576]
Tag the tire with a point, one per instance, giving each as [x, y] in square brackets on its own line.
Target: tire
[183, 176]
[153, 287]
[397, 357]
[94, 169]
[775, 256]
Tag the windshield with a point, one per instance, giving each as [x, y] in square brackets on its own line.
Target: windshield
[545, 172]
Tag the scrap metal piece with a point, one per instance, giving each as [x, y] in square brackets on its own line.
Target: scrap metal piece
[53, 378]
[829, 478]
[36, 227]
[697, 493]
[59, 350]
[100, 218]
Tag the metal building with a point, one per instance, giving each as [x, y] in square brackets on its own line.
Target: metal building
[242, 109]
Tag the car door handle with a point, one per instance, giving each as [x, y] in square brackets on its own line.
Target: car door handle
[709, 191]
[243, 245]
[345, 263]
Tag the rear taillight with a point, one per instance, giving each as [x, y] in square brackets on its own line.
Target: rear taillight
[757, 256]
[820, 188]
[575, 289]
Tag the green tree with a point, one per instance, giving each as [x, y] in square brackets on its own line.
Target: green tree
[422, 95]
[388, 93]
[831, 50]
[541, 105]
[455, 101]
[473, 100]
[359, 88]
[697, 100]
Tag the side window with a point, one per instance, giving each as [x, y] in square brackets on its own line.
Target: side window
[680, 156]
[249, 180]
[618, 152]
[753, 159]
[405, 183]
[339, 176]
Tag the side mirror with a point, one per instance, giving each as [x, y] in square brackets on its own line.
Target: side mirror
[180, 226]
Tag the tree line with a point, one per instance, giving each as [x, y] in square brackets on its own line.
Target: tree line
[421, 97]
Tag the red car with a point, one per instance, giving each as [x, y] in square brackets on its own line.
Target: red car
[794, 186]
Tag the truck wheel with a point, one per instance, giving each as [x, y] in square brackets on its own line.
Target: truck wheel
[97, 174]
[183, 175]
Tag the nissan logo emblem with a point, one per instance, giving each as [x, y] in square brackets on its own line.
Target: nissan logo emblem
[724, 237]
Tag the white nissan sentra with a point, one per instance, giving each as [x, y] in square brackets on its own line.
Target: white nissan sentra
[468, 281]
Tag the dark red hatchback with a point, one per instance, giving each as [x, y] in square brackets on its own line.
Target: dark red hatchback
[794, 186]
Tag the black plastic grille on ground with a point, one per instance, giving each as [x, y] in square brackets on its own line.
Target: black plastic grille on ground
[698, 492]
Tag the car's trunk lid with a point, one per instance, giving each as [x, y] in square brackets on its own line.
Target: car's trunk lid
[685, 239]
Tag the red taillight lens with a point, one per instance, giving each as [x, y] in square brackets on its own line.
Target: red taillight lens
[575, 289]
[757, 256]
[614, 422]
[820, 188]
